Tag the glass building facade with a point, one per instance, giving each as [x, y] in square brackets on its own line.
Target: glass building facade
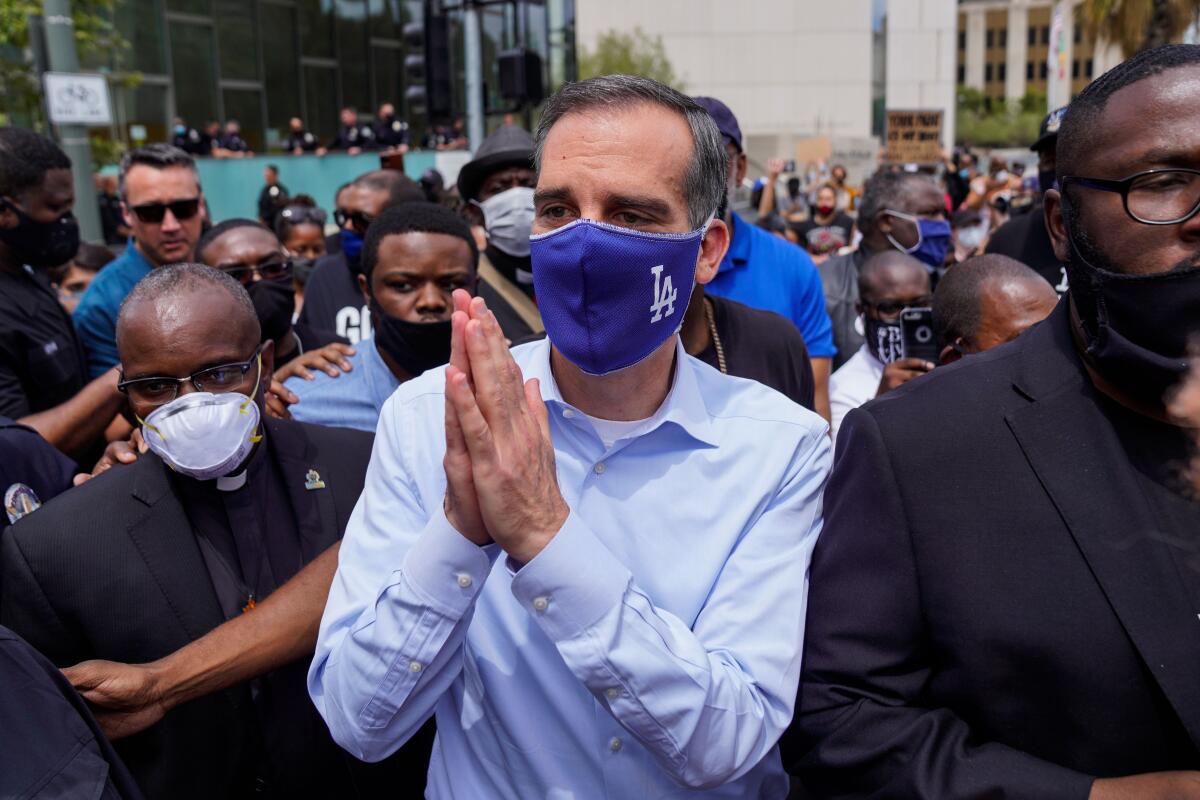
[262, 62]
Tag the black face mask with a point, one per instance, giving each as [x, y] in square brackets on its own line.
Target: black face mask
[415, 346]
[274, 303]
[884, 339]
[1136, 328]
[41, 244]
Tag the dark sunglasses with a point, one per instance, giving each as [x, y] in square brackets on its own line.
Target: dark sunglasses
[271, 271]
[358, 219]
[298, 215]
[154, 212]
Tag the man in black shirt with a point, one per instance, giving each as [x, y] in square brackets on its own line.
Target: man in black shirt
[112, 221]
[188, 139]
[273, 196]
[391, 132]
[1004, 598]
[300, 140]
[1024, 237]
[353, 136]
[43, 374]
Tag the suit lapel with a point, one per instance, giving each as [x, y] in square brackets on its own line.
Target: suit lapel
[314, 508]
[1080, 462]
[165, 540]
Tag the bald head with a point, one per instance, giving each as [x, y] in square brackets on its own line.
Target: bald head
[890, 275]
[986, 301]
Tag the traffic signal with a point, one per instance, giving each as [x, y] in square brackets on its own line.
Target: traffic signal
[427, 67]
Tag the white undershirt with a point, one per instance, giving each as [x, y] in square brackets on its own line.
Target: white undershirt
[610, 430]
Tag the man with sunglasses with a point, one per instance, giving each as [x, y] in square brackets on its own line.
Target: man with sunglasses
[888, 283]
[1004, 597]
[226, 507]
[163, 206]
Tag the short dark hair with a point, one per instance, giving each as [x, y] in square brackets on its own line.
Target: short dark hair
[89, 257]
[186, 276]
[704, 177]
[220, 229]
[419, 217]
[1076, 134]
[25, 158]
[273, 168]
[884, 190]
[956, 301]
[399, 187]
[157, 156]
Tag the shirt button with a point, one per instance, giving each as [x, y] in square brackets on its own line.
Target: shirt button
[541, 603]
[615, 744]
[599, 468]
[612, 692]
[415, 666]
[464, 581]
[569, 413]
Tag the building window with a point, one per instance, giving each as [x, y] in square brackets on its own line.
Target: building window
[962, 74]
[1075, 68]
[1029, 71]
[987, 74]
[1033, 34]
[1045, 34]
[962, 40]
[1087, 69]
[1004, 37]
[1045, 71]
[1001, 72]
[991, 39]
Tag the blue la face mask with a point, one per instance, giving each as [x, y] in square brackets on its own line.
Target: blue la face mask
[610, 296]
[351, 244]
[933, 239]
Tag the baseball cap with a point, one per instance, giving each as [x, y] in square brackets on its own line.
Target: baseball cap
[1048, 132]
[727, 123]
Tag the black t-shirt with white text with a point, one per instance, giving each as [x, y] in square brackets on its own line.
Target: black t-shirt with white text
[333, 301]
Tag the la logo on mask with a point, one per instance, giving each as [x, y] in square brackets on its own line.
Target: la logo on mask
[664, 295]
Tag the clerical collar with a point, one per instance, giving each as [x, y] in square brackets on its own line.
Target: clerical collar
[231, 483]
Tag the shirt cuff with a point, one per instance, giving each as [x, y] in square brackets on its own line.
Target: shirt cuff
[447, 567]
[572, 583]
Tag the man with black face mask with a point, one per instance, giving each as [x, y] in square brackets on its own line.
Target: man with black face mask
[1004, 597]
[43, 372]
[413, 258]
[1024, 237]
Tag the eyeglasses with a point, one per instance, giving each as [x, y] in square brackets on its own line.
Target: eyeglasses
[358, 219]
[154, 212]
[298, 215]
[158, 390]
[270, 271]
[1152, 197]
[892, 308]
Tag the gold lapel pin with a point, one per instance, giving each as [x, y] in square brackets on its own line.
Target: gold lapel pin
[312, 480]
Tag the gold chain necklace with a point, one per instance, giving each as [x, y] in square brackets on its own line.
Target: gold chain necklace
[709, 317]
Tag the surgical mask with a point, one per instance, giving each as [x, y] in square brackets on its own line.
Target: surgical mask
[885, 340]
[1136, 328]
[204, 435]
[508, 219]
[933, 239]
[41, 244]
[352, 246]
[180, 130]
[964, 173]
[274, 304]
[416, 346]
[971, 237]
[610, 296]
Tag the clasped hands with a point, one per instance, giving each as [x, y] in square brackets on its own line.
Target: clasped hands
[501, 484]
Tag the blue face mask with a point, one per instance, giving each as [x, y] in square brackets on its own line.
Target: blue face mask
[933, 239]
[610, 296]
[964, 173]
[180, 129]
[351, 244]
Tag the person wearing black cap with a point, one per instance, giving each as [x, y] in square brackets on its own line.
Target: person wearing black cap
[1024, 237]
[497, 189]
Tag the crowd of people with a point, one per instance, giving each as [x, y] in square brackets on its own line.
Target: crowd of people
[584, 478]
[387, 133]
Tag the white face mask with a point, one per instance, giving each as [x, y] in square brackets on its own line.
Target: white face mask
[508, 219]
[205, 435]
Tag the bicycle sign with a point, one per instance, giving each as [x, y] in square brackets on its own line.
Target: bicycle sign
[77, 99]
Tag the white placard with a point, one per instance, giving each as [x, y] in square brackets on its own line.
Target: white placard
[77, 99]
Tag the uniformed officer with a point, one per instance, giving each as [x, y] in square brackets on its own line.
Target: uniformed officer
[353, 136]
[273, 196]
[300, 139]
[391, 132]
[31, 471]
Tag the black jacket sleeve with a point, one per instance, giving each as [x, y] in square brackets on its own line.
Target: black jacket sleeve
[862, 728]
[25, 608]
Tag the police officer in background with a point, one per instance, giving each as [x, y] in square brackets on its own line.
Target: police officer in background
[353, 136]
[273, 196]
[300, 139]
[391, 132]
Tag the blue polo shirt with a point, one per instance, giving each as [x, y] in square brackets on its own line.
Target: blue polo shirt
[96, 316]
[764, 271]
[351, 400]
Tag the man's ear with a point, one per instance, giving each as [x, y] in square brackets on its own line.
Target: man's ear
[364, 288]
[949, 355]
[126, 214]
[712, 250]
[8, 216]
[740, 168]
[473, 214]
[1056, 226]
[267, 354]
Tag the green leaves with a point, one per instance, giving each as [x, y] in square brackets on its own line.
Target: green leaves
[629, 53]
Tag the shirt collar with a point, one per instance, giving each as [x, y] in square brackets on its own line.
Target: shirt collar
[683, 407]
[740, 245]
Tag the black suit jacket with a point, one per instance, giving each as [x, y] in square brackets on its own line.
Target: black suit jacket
[991, 613]
[112, 570]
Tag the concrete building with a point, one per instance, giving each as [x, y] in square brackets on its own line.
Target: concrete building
[1004, 46]
[793, 69]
